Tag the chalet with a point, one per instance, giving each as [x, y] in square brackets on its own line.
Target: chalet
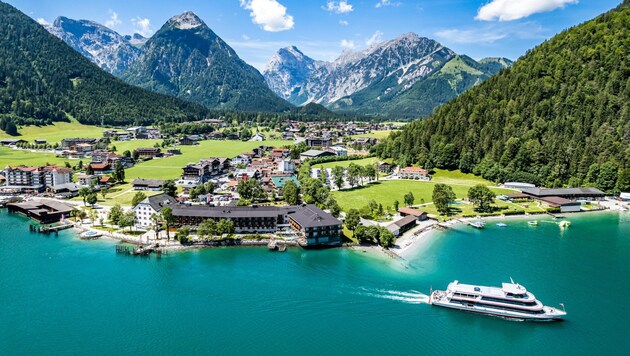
[318, 141]
[285, 166]
[311, 154]
[85, 180]
[11, 142]
[146, 153]
[364, 142]
[40, 141]
[205, 169]
[100, 169]
[315, 225]
[258, 137]
[150, 206]
[418, 214]
[414, 173]
[232, 136]
[565, 205]
[216, 135]
[403, 225]
[106, 181]
[174, 151]
[154, 185]
[65, 191]
[189, 140]
[384, 167]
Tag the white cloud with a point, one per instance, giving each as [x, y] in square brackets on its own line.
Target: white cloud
[377, 37]
[42, 21]
[269, 14]
[508, 10]
[338, 7]
[246, 38]
[492, 33]
[383, 3]
[347, 44]
[343, 23]
[142, 26]
[113, 19]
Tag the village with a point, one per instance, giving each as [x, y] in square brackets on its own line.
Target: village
[270, 192]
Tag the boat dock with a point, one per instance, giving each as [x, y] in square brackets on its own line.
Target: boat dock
[139, 250]
[50, 229]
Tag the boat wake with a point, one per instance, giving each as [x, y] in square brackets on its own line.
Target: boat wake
[409, 297]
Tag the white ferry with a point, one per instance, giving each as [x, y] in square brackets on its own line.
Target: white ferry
[512, 300]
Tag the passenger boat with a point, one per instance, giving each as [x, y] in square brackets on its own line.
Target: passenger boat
[532, 223]
[477, 224]
[511, 300]
[501, 224]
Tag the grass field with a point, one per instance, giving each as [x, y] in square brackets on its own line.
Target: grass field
[56, 132]
[120, 194]
[11, 157]
[375, 134]
[171, 168]
[386, 192]
[344, 164]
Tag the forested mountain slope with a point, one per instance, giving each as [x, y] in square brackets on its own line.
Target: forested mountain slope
[42, 79]
[560, 115]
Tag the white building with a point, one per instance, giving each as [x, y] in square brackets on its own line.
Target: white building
[149, 206]
[339, 151]
[286, 166]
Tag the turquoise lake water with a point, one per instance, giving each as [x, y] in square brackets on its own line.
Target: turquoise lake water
[62, 295]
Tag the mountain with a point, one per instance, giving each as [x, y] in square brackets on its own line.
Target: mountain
[42, 79]
[103, 46]
[187, 59]
[377, 80]
[136, 39]
[420, 99]
[559, 116]
[288, 70]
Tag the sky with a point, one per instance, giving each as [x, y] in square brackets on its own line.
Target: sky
[323, 29]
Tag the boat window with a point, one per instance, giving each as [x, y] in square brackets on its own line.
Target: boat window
[477, 289]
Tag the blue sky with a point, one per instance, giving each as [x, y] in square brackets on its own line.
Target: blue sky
[322, 29]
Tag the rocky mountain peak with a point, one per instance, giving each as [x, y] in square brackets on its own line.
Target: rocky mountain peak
[186, 21]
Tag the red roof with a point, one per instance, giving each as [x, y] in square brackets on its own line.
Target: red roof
[415, 169]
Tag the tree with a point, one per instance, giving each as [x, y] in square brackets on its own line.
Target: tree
[104, 192]
[127, 154]
[138, 198]
[396, 204]
[409, 199]
[369, 171]
[182, 234]
[168, 218]
[11, 129]
[481, 196]
[92, 199]
[353, 219]
[169, 188]
[207, 229]
[290, 192]
[250, 190]
[338, 173]
[83, 193]
[314, 192]
[443, 195]
[119, 172]
[623, 180]
[157, 218]
[333, 206]
[225, 226]
[89, 170]
[354, 173]
[115, 214]
[135, 155]
[127, 219]
[386, 238]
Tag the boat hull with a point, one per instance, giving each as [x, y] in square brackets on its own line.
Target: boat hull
[498, 313]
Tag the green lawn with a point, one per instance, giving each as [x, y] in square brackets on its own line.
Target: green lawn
[375, 134]
[344, 164]
[11, 157]
[56, 132]
[171, 168]
[386, 192]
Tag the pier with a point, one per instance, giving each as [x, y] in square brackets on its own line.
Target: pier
[141, 250]
[50, 229]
